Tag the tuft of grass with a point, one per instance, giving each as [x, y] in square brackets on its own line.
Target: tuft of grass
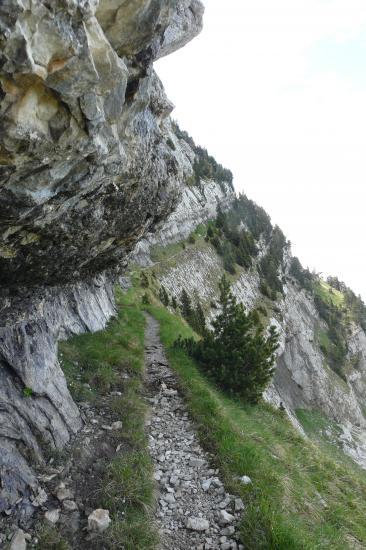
[135, 533]
[324, 341]
[27, 392]
[95, 364]
[131, 471]
[301, 497]
[50, 539]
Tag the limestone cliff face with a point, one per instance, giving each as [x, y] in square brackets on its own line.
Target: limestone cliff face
[85, 171]
[81, 144]
[196, 206]
[302, 378]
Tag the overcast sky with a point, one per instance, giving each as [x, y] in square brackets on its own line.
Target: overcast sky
[276, 91]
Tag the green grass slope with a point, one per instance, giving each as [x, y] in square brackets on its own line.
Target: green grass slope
[301, 496]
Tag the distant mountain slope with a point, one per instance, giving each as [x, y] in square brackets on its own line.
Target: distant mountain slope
[321, 364]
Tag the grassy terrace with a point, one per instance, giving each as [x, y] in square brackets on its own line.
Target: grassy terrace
[329, 293]
[302, 497]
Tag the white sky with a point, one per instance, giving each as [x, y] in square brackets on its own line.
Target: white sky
[276, 91]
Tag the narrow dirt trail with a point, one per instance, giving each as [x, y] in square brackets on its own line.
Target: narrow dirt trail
[193, 509]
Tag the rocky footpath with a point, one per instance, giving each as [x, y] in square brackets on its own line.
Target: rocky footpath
[86, 170]
[194, 510]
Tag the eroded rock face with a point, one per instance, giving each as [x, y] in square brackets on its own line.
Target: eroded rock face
[85, 172]
[85, 168]
[197, 205]
[36, 409]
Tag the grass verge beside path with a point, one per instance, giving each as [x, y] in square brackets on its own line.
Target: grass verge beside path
[300, 498]
[94, 365]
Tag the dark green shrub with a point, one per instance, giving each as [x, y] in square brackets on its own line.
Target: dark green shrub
[210, 232]
[193, 315]
[27, 392]
[163, 296]
[303, 276]
[170, 143]
[255, 217]
[235, 354]
[198, 322]
[267, 291]
[205, 167]
[185, 305]
[336, 350]
[271, 263]
[228, 260]
[144, 281]
[262, 310]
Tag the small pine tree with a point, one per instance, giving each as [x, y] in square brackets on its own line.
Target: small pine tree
[163, 295]
[210, 232]
[221, 220]
[236, 354]
[229, 262]
[186, 306]
[174, 303]
[215, 241]
[145, 299]
[199, 320]
[144, 281]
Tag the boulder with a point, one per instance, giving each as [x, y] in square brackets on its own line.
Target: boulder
[197, 524]
[18, 542]
[52, 516]
[99, 520]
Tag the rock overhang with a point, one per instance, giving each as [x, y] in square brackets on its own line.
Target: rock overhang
[84, 168]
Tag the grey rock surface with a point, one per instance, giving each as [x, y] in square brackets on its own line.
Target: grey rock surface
[85, 172]
[52, 516]
[85, 167]
[99, 520]
[36, 407]
[197, 205]
[18, 542]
